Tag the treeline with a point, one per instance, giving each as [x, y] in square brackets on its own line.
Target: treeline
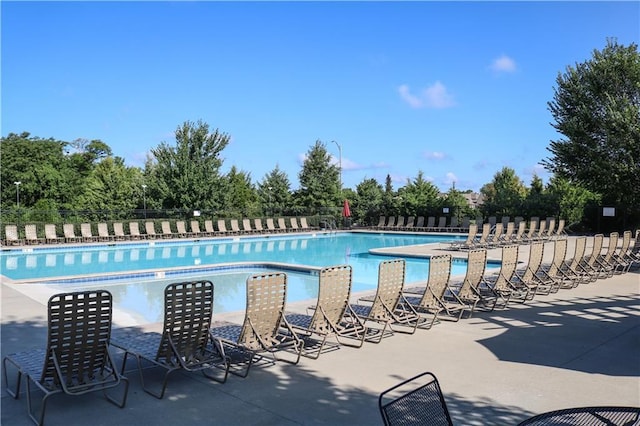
[83, 181]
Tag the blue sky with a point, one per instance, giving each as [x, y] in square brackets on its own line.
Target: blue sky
[456, 90]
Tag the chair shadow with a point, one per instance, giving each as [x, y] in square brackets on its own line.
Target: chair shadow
[602, 329]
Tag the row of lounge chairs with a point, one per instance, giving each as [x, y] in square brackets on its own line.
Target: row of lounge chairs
[236, 227]
[412, 223]
[498, 235]
[77, 358]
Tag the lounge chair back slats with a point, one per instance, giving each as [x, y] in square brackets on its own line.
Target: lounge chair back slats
[536, 252]
[333, 298]
[246, 225]
[508, 267]
[166, 229]
[103, 232]
[150, 229]
[195, 228]
[134, 230]
[85, 231]
[391, 275]
[476, 265]
[31, 234]
[50, 234]
[79, 333]
[439, 275]
[265, 328]
[188, 308]
[208, 227]
[185, 342]
[76, 359]
[266, 297]
[118, 231]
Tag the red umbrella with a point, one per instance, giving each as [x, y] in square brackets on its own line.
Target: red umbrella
[346, 210]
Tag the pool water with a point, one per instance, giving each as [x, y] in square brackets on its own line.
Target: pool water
[136, 273]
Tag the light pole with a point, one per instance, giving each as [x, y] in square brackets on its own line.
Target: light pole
[144, 200]
[339, 161]
[269, 193]
[17, 183]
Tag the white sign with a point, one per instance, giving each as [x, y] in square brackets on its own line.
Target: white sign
[608, 211]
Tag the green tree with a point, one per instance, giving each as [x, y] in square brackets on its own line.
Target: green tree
[42, 169]
[319, 180]
[570, 199]
[457, 204]
[596, 107]
[240, 197]
[367, 204]
[537, 202]
[504, 195]
[388, 197]
[112, 188]
[187, 176]
[419, 197]
[274, 192]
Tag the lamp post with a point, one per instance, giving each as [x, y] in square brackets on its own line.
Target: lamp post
[17, 183]
[144, 200]
[269, 194]
[339, 161]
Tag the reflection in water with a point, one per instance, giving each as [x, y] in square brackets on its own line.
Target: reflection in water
[145, 300]
[32, 261]
[12, 262]
[318, 251]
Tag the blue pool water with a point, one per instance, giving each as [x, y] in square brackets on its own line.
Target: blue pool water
[135, 273]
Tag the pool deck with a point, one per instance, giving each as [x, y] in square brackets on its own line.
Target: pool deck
[578, 347]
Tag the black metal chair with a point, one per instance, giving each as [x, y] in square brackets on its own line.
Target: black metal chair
[416, 401]
[587, 416]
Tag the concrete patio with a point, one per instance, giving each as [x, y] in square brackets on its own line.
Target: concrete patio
[578, 347]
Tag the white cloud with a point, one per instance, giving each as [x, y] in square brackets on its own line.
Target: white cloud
[450, 179]
[435, 155]
[537, 170]
[503, 64]
[435, 96]
[412, 100]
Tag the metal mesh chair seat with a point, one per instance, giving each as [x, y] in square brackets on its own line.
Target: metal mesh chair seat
[587, 416]
[77, 359]
[416, 401]
[185, 342]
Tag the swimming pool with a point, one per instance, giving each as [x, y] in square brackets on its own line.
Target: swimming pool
[136, 272]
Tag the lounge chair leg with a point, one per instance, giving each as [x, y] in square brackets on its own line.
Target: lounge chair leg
[15, 394]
